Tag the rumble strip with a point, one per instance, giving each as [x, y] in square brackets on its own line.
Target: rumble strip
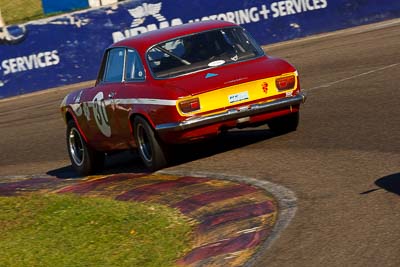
[235, 220]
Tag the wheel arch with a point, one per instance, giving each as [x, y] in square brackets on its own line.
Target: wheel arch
[133, 115]
[69, 115]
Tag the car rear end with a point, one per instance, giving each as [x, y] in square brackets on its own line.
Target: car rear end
[229, 81]
[242, 105]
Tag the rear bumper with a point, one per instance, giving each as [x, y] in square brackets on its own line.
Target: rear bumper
[231, 114]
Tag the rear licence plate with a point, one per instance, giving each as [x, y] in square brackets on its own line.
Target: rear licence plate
[238, 97]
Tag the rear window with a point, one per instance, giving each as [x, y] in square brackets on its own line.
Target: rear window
[201, 51]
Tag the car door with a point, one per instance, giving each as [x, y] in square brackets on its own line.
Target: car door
[104, 95]
[134, 82]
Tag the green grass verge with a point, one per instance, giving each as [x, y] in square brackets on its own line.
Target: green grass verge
[66, 230]
[18, 11]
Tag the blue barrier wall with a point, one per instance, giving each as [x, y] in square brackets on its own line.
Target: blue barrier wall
[52, 6]
[68, 49]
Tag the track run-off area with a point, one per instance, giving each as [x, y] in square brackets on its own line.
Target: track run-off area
[343, 162]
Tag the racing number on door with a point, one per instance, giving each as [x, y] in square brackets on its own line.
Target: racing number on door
[100, 114]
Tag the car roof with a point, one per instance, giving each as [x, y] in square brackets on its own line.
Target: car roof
[145, 40]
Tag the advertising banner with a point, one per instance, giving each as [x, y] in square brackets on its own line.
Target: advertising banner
[68, 49]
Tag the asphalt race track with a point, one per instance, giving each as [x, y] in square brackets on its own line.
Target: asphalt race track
[343, 163]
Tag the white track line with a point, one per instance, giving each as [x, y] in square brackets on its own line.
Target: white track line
[352, 77]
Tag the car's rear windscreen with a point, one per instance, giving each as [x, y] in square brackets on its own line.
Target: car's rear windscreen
[201, 51]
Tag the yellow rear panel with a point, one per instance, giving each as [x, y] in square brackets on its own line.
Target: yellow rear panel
[238, 94]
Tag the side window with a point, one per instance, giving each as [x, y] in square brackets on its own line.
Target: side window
[134, 66]
[115, 65]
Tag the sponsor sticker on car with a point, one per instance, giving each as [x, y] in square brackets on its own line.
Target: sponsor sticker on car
[238, 97]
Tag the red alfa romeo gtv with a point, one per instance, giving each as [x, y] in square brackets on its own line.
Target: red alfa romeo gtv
[178, 85]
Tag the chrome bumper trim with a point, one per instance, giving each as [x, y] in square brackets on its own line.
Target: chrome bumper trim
[234, 113]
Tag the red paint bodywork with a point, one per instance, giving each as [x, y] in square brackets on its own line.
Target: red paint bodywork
[121, 115]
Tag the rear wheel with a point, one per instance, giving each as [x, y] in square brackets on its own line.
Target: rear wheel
[84, 159]
[284, 124]
[151, 150]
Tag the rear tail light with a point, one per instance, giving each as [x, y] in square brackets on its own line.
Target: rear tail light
[285, 83]
[190, 105]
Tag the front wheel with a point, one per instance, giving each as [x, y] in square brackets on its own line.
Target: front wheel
[84, 159]
[151, 150]
[284, 124]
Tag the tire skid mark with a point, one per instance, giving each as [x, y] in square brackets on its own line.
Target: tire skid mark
[226, 246]
[170, 198]
[91, 185]
[233, 229]
[231, 203]
[192, 203]
[145, 192]
[240, 213]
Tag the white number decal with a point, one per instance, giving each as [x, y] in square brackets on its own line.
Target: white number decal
[100, 114]
[86, 111]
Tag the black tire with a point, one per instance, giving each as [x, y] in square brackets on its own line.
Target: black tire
[284, 124]
[84, 159]
[151, 150]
